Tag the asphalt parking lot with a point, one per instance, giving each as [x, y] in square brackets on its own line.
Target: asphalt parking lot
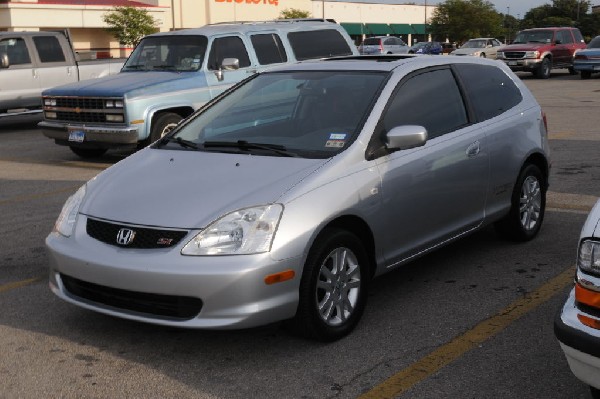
[473, 320]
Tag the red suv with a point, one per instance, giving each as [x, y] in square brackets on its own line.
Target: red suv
[540, 50]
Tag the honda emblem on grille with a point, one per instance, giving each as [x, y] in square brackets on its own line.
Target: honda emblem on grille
[125, 236]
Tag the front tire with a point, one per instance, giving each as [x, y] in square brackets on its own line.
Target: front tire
[528, 205]
[586, 74]
[333, 289]
[88, 153]
[543, 71]
[595, 393]
[163, 124]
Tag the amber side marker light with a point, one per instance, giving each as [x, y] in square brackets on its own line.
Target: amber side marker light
[588, 321]
[280, 277]
[587, 297]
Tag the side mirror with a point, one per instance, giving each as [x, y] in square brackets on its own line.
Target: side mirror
[228, 64]
[558, 41]
[406, 137]
[4, 63]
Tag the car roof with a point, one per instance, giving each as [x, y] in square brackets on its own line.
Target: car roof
[286, 25]
[380, 63]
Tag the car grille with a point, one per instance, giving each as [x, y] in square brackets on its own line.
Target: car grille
[513, 55]
[168, 306]
[84, 109]
[143, 237]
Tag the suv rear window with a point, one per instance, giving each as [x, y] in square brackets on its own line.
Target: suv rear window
[318, 44]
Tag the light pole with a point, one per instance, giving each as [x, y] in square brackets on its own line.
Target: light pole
[508, 24]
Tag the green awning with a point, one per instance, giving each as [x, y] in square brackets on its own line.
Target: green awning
[402, 29]
[419, 29]
[379, 29]
[354, 28]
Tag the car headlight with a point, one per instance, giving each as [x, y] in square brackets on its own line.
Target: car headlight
[532, 54]
[499, 54]
[245, 231]
[476, 54]
[588, 257]
[68, 216]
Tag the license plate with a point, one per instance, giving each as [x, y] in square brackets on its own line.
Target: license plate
[512, 63]
[77, 136]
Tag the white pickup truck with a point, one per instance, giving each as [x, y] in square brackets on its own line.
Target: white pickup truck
[31, 62]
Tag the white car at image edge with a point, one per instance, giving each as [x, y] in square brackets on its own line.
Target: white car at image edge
[577, 324]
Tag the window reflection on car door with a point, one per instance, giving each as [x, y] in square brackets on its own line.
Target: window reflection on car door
[437, 191]
[227, 47]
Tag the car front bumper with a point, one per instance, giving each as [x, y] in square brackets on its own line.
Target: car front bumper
[523, 64]
[230, 291]
[96, 136]
[580, 343]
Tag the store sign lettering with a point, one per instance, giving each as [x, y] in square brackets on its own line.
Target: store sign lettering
[272, 2]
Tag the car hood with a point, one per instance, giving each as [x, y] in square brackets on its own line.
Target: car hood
[466, 51]
[523, 47]
[131, 84]
[190, 189]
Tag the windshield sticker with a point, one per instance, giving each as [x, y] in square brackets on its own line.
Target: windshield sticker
[337, 136]
[335, 143]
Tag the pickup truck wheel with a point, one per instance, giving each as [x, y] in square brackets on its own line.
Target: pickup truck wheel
[586, 74]
[333, 288]
[482, 55]
[163, 124]
[88, 152]
[528, 204]
[543, 71]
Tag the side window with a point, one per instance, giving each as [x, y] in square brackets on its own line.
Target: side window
[16, 50]
[578, 36]
[490, 91]
[49, 49]
[268, 49]
[227, 47]
[568, 38]
[318, 44]
[430, 99]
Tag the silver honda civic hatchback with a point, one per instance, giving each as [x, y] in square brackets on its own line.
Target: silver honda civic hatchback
[281, 199]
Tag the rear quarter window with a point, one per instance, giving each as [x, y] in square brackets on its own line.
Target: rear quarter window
[318, 44]
[268, 48]
[490, 91]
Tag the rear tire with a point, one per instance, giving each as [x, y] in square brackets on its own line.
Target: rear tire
[528, 205]
[333, 289]
[88, 153]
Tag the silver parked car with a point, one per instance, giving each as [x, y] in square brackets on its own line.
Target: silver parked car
[485, 47]
[577, 324]
[383, 45]
[282, 198]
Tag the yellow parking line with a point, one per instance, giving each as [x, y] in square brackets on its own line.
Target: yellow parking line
[428, 365]
[19, 284]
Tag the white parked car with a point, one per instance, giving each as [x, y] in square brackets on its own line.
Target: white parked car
[577, 325]
[485, 47]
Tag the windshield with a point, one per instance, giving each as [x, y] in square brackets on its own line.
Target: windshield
[420, 44]
[311, 114]
[171, 53]
[534, 36]
[475, 44]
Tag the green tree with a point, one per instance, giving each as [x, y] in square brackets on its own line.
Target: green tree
[460, 20]
[292, 13]
[129, 24]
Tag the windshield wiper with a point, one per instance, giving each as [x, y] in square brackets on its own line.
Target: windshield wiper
[164, 67]
[136, 66]
[244, 145]
[182, 142]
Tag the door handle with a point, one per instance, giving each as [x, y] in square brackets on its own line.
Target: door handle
[473, 149]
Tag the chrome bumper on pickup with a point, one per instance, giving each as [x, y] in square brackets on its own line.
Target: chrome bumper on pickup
[82, 135]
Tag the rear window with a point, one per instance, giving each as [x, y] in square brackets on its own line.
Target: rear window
[372, 42]
[490, 91]
[318, 44]
[595, 43]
